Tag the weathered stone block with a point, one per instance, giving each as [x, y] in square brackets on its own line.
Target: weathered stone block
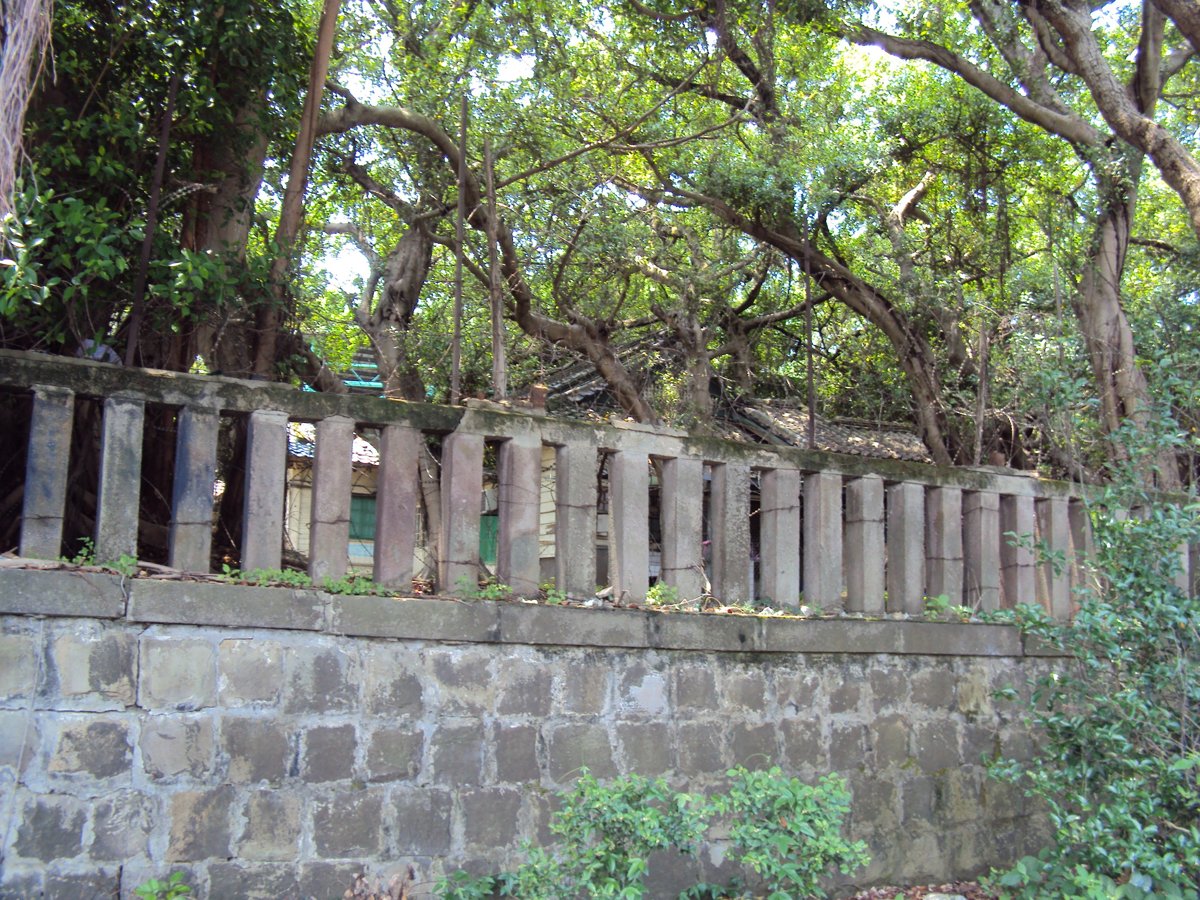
[797, 692]
[272, 829]
[177, 745]
[572, 747]
[200, 825]
[92, 746]
[94, 884]
[257, 749]
[322, 879]
[349, 825]
[200, 603]
[753, 745]
[423, 821]
[329, 752]
[414, 617]
[457, 752]
[50, 828]
[847, 745]
[516, 751]
[694, 688]
[555, 625]
[96, 664]
[18, 738]
[178, 673]
[122, 826]
[699, 746]
[646, 747]
[254, 882]
[643, 691]
[489, 812]
[18, 666]
[890, 740]
[465, 678]
[583, 685]
[319, 680]
[251, 671]
[745, 689]
[35, 593]
[933, 688]
[524, 690]
[394, 754]
[845, 698]
[392, 686]
[804, 745]
[935, 745]
[889, 688]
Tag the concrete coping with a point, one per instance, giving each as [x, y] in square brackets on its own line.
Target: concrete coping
[65, 593]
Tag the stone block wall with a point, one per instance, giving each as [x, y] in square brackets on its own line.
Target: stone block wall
[148, 727]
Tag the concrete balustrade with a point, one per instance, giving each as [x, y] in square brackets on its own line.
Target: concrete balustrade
[870, 537]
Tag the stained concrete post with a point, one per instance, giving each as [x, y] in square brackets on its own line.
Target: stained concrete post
[1054, 528]
[730, 532]
[120, 478]
[906, 547]
[333, 472]
[190, 538]
[575, 519]
[629, 524]
[823, 539]
[1183, 576]
[1083, 549]
[517, 562]
[981, 549]
[462, 492]
[1017, 523]
[397, 494]
[944, 543]
[46, 461]
[779, 532]
[864, 551]
[683, 526]
[266, 473]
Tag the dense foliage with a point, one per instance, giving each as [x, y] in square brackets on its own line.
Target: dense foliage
[952, 192]
[1119, 759]
[784, 832]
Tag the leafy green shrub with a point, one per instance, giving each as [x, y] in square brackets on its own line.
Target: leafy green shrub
[788, 832]
[1120, 738]
[784, 831]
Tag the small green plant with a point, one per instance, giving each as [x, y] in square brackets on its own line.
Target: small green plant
[86, 554]
[354, 585]
[173, 887]
[552, 595]
[267, 577]
[488, 589]
[662, 594]
[940, 608]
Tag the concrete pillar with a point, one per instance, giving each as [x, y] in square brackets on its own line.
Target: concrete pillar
[864, 551]
[397, 498]
[944, 543]
[629, 524]
[333, 471]
[196, 432]
[1183, 576]
[1082, 551]
[981, 549]
[1194, 569]
[120, 478]
[779, 533]
[266, 478]
[575, 520]
[730, 532]
[906, 548]
[462, 494]
[823, 539]
[517, 562]
[47, 457]
[682, 526]
[1017, 581]
[1053, 574]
